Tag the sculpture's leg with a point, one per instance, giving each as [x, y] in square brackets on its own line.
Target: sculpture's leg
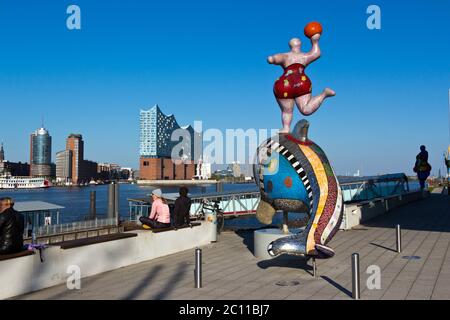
[287, 109]
[307, 104]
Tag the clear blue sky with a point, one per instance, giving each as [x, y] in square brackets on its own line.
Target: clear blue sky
[206, 60]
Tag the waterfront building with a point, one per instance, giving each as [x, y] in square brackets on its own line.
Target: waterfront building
[108, 171]
[8, 168]
[112, 171]
[64, 166]
[17, 169]
[40, 153]
[88, 171]
[156, 147]
[82, 170]
[203, 171]
[75, 144]
[236, 167]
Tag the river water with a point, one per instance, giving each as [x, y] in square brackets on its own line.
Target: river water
[75, 200]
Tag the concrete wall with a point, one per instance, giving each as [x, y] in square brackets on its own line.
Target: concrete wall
[26, 274]
[356, 213]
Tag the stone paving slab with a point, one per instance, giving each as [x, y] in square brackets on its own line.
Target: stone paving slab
[232, 272]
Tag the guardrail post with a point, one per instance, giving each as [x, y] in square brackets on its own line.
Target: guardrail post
[198, 268]
[93, 209]
[111, 200]
[116, 203]
[355, 277]
[399, 238]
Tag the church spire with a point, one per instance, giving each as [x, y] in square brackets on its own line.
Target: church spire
[2, 153]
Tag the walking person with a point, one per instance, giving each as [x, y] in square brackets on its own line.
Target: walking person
[160, 213]
[422, 167]
[11, 227]
[182, 208]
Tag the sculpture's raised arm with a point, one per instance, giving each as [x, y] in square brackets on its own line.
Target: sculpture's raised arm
[314, 53]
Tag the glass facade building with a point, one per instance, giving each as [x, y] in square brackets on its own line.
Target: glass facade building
[40, 153]
[156, 132]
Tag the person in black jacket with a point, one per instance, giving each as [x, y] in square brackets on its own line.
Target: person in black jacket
[182, 208]
[11, 227]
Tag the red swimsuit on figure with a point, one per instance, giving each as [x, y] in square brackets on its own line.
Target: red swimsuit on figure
[293, 83]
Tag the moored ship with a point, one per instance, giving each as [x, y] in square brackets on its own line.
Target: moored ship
[10, 182]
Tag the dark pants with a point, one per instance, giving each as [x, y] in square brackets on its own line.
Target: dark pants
[154, 224]
[422, 175]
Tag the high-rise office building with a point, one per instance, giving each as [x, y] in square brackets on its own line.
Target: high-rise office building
[40, 153]
[82, 170]
[75, 144]
[64, 166]
[156, 147]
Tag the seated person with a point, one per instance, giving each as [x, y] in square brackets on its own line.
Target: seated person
[160, 214]
[182, 208]
[11, 227]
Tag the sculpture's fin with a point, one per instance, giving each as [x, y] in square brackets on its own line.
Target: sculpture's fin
[265, 212]
[327, 251]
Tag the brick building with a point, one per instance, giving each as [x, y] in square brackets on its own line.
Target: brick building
[156, 147]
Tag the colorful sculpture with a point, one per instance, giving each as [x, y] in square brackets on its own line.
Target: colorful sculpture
[293, 173]
[294, 86]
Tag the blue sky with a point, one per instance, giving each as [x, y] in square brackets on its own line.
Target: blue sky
[206, 60]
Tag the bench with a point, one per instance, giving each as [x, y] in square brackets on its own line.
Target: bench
[16, 255]
[94, 240]
[193, 224]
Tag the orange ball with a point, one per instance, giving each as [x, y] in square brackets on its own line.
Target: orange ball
[313, 28]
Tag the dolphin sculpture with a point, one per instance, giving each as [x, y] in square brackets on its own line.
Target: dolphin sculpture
[294, 175]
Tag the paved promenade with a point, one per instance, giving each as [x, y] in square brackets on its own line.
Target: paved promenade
[232, 272]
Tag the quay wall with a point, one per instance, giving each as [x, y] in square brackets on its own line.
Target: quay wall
[359, 212]
[27, 274]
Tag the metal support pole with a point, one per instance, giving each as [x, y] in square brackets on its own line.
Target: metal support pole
[314, 267]
[93, 209]
[111, 201]
[198, 268]
[399, 238]
[116, 202]
[355, 276]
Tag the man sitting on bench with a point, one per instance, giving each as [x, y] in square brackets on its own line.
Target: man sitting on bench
[182, 208]
[160, 214]
[11, 227]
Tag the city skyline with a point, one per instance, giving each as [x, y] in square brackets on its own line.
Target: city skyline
[392, 84]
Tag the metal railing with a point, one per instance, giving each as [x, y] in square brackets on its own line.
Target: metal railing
[74, 226]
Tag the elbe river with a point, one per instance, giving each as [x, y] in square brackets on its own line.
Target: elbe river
[75, 200]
